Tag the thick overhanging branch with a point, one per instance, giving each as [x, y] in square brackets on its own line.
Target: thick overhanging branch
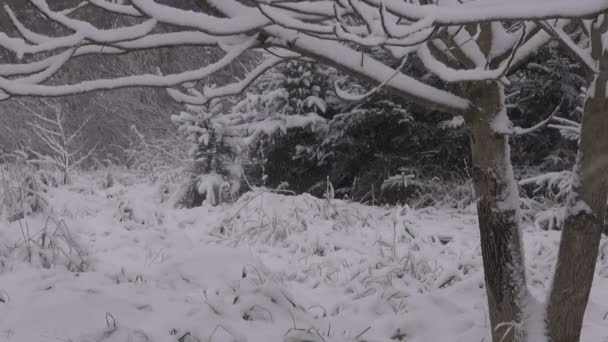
[23, 79]
[14, 87]
[350, 61]
[363, 66]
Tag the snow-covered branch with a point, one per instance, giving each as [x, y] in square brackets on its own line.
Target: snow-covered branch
[518, 131]
[338, 33]
[569, 129]
[344, 95]
[18, 87]
[462, 13]
[195, 97]
[584, 57]
[116, 8]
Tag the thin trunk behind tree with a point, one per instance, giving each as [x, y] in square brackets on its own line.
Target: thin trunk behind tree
[498, 212]
[582, 230]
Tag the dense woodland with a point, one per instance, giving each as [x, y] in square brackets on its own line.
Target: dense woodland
[364, 150]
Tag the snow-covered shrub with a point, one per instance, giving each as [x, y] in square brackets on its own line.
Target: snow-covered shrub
[368, 144]
[229, 137]
[308, 88]
[363, 143]
[297, 87]
[550, 219]
[552, 185]
[23, 189]
[547, 193]
[154, 156]
[292, 129]
[552, 78]
[138, 204]
[550, 189]
[62, 147]
[214, 166]
[347, 149]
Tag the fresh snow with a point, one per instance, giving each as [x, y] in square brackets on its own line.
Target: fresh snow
[269, 267]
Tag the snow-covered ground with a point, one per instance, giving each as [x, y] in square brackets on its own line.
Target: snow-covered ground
[118, 265]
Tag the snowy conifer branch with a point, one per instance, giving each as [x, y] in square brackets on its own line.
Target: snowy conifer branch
[569, 129]
[584, 57]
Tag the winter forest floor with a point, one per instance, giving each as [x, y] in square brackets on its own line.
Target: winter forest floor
[117, 265]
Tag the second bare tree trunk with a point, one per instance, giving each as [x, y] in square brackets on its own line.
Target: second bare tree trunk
[582, 230]
[498, 212]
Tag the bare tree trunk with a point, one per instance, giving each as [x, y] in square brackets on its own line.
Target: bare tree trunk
[582, 230]
[498, 212]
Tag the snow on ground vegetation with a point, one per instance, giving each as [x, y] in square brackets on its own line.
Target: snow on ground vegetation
[120, 264]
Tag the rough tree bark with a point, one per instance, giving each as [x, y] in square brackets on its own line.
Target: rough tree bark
[498, 212]
[582, 230]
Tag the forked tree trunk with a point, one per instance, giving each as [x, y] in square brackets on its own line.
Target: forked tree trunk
[498, 212]
[582, 230]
